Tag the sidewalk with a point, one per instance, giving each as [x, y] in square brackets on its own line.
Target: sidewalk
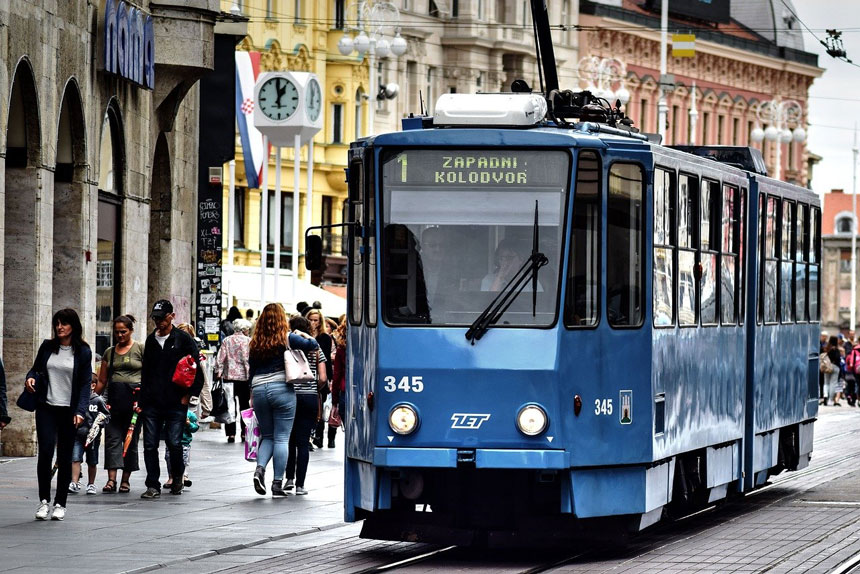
[112, 533]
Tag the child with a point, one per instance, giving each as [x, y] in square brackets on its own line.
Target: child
[191, 426]
[97, 414]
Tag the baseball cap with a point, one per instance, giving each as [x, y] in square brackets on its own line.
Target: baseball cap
[161, 309]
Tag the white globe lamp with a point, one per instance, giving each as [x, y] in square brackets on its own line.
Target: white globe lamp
[757, 134]
[361, 43]
[799, 135]
[398, 45]
[345, 45]
[383, 48]
[771, 133]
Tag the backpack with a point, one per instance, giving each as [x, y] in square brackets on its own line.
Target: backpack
[853, 361]
[824, 364]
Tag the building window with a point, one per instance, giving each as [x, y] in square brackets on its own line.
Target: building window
[845, 261]
[480, 9]
[433, 10]
[736, 127]
[643, 114]
[721, 135]
[455, 8]
[286, 229]
[843, 224]
[337, 123]
[339, 14]
[706, 132]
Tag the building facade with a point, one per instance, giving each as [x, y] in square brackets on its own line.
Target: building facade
[756, 55]
[98, 127]
[836, 231]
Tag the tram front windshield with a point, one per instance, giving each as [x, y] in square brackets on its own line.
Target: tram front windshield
[459, 224]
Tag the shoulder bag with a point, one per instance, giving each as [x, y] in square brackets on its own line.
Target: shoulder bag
[296, 366]
[825, 365]
[28, 401]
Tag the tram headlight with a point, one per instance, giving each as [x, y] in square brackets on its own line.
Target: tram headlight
[403, 419]
[532, 420]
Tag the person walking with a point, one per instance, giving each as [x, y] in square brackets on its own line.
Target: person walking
[319, 331]
[307, 412]
[338, 383]
[832, 390]
[81, 450]
[191, 426]
[274, 400]
[164, 404]
[231, 366]
[5, 419]
[120, 373]
[61, 376]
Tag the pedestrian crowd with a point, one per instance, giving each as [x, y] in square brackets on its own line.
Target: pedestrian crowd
[839, 369]
[156, 389]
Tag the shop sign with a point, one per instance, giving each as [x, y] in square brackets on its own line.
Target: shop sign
[128, 37]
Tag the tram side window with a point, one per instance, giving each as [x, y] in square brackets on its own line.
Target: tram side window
[741, 238]
[814, 263]
[664, 232]
[771, 250]
[710, 240]
[370, 256]
[687, 193]
[786, 267]
[624, 236]
[582, 304]
[729, 255]
[801, 233]
[356, 266]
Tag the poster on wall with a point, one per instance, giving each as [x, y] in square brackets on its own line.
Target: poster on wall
[208, 283]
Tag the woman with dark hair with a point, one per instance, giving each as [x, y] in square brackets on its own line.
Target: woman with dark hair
[120, 372]
[274, 399]
[61, 376]
[227, 324]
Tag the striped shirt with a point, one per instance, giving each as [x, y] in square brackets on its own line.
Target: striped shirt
[310, 387]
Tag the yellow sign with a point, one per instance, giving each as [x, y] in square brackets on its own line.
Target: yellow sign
[683, 45]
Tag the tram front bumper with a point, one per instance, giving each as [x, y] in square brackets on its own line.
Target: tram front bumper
[480, 457]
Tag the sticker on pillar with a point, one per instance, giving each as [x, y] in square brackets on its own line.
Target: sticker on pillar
[625, 413]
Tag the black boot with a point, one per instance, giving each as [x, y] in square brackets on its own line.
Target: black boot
[332, 433]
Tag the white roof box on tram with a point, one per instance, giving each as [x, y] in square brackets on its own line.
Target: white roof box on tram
[489, 110]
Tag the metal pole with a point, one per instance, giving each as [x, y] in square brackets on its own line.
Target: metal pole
[778, 142]
[278, 215]
[231, 230]
[662, 107]
[294, 260]
[854, 236]
[264, 221]
[309, 195]
[371, 112]
[694, 117]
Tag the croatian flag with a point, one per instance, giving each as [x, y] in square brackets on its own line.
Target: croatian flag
[247, 70]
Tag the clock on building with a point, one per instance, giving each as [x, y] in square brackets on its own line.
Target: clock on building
[313, 99]
[278, 98]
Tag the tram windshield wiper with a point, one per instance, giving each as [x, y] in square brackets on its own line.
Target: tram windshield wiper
[527, 272]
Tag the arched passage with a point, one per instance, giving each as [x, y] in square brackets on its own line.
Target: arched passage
[109, 232]
[70, 237]
[160, 224]
[26, 272]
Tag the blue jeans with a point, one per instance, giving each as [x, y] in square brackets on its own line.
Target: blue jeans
[275, 407]
[306, 417]
[169, 422]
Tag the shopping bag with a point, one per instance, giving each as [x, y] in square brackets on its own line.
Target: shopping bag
[252, 435]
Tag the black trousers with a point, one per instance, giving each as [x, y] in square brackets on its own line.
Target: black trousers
[55, 429]
[242, 390]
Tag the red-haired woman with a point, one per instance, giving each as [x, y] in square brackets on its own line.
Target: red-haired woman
[274, 400]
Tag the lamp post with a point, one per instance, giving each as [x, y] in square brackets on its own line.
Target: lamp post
[370, 22]
[779, 115]
[600, 75]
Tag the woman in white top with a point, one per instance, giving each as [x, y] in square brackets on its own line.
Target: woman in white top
[60, 377]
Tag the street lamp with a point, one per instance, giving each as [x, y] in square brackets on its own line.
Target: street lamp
[779, 115]
[601, 74]
[372, 19]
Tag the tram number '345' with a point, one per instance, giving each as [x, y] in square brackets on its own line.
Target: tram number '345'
[406, 384]
[603, 406]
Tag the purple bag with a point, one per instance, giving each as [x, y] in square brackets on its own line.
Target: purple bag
[252, 435]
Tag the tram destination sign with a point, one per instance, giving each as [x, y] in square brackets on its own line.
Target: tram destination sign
[478, 168]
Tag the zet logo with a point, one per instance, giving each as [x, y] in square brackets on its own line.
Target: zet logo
[468, 420]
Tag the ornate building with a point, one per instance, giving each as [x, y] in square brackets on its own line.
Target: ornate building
[738, 65]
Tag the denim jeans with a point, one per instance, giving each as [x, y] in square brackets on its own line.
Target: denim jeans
[55, 428]
[169, 424]
[275, 407]
[307, 407]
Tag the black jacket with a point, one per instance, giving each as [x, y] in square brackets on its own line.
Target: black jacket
[156, 384]
[4, 409]
[82, 375]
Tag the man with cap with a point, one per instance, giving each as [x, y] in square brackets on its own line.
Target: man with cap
[164, 404]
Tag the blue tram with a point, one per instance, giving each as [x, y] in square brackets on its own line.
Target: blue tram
[559, 325]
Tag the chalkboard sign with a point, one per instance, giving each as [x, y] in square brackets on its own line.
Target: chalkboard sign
[209, 250]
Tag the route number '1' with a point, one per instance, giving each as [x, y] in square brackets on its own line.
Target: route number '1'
[603, 406]
[402, 159]
[406, 384]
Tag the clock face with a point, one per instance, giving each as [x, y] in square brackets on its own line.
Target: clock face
[314, 100]
[278, 98]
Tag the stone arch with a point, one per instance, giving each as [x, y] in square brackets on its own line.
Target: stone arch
[71, 206]
[160, 223]
[25, 275]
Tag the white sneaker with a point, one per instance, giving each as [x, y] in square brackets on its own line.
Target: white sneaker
[300, 491]
[91, 489]
[75, 487]
[43, 511]
[59, 512]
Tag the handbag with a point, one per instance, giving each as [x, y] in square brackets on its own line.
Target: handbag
[28, 401]
[296, 366]
[825, 365]
[334, 420]
[219, 400]
[252, 435]
[186, 370]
